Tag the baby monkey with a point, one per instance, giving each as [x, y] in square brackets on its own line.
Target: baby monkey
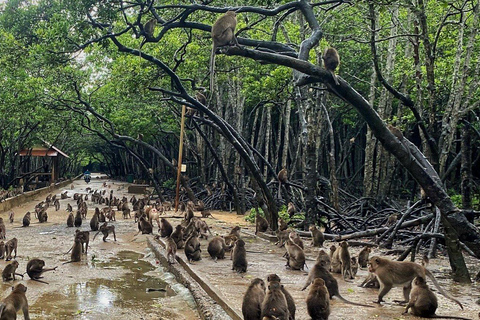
[331, 61]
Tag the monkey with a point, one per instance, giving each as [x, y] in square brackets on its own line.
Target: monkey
[318, 302]
[282, 236]
[363, 256]
[189, 214]
[126, 213]
[2, 250]
[11, 216]
[206, 214]
[10, 246]
[295, 256]
[69, 207]
[177, 236]
[56, 203]
[239, 257]
[274, 305]
[9, 272]
[216, 248]
[291, 209]
[35, 269]
[200, 206]
[392, 219]
[26, 219]
[84, 238]
[166, 228]
[319, 271]
[296, 239]
[423, 301]
[77, 249]
[370, 281]
[261, 224]
[252, 300]
[332, 251]
[149, 29]
[236, 231]
[336, 265]
[425, 260]
[202, 228]
[78, 219]
[223, 33]
[94, 223]
[331, 61]
[155, 215]
[110, 215]
[290, 302]
[171, 248]
[43, 216]
[167, 205]
[401, 273]
[192, 248]
[354, 264]
[183, 207]
[282, 178]
[345, 260]
[15, 301]
[317, 236]
[230, 240]
[201, 98]
[64, 195]
[324, 259]
[106, 230]
[3, 229]
[70, 220]
[144, 226]
[282, 225]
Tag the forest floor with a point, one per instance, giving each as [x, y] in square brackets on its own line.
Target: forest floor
[111, 280]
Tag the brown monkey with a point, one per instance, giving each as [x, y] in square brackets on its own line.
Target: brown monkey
[69, 207]
[56, 203]
[319, 271]
[106, 230]
[216, 248]
[200, 206]
[252, 300]
[35, 269]
[144, 226]
[336, 265]
[295, 256]
[126, 213]
[94, 223]
[84, 238]
[477, 277]
[171, 248]
[148, 29]
[324, 259]
[70, 220]
[363, 257]
[261, 224]
[291, 209]
[282, 225]
[274, 304]
[166, 228]
[354, 264]
[206, 214]
[2, 250]
[370, 281]
[290, 302]
[223, 33]
[296, 239]
[423, 301]
[78, 219]
[189, 214]
[15, 301]
[42, 216]
[401, 273]
[192, 248]
[235, 231]
[155, 216]
[239, 257]
[200, 97]
[331, 61]
[26, 219]
[11, 216]
[10, 246]
[77, 249]
[332, 251]
[3, 229]
[282, 236]
[230, 240]
[425, 260]
[392, 219]
[317, 236]
[177, 236]
[282, 179]
[345, 260]
[9, 272]
[318, 302]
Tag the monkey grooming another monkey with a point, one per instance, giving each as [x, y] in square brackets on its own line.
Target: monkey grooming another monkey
[10, 271]
[10, 246]
[216, 248]
[15, 301]
[35, 269]
[223, 33]
[317, 236]
[77, 248]
[318, 302]
[401, 273]
[177, 236]
[84, 238]
[26, 219]
[363, 257]
[171, 248]
[423, 301]
[290, 302]
[252, 300]
[239, 257]
[295, 256]
[192, 248]
[331, 61]
[274, 304]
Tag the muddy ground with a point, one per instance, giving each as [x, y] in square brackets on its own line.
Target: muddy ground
[112, 279]
[109, 282]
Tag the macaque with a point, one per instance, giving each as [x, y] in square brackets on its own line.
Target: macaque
[171, 248]
[363, 257]
[252, 300]
[201, 98]
[10, 246]
[274, 304]
[239, 257]
[148, 29]
[11, 216]
[26, 219]
[3, 229]
[290, 302]
[331, 61]
[35, 269]
[282, 178]
[295, 256]
[10, 271]
[15, 301]
[261, 224]
[106, 230]
[317, 236]
[291, 209]
[318, 301]
[401, 273]
[345, 260]
[223, 33]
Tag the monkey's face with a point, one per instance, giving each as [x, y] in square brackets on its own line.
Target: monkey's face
[419, 281]
[373, 264]
[19, 288]
[344, 244]
[319, 282]
[273, 277]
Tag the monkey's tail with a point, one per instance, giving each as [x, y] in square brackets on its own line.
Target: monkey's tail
[212, 69]
[354, 303]
[96, 234]
[443, 292]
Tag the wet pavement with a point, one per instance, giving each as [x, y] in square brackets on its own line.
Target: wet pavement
[111, 280]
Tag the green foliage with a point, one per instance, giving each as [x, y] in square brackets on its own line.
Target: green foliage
[253, 213]
[169, 184]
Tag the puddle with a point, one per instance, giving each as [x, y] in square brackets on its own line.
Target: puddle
[99, 296]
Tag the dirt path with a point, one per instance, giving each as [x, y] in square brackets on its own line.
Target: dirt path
[110, 281]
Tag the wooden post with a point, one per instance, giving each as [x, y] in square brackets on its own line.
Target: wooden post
[179, 164]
